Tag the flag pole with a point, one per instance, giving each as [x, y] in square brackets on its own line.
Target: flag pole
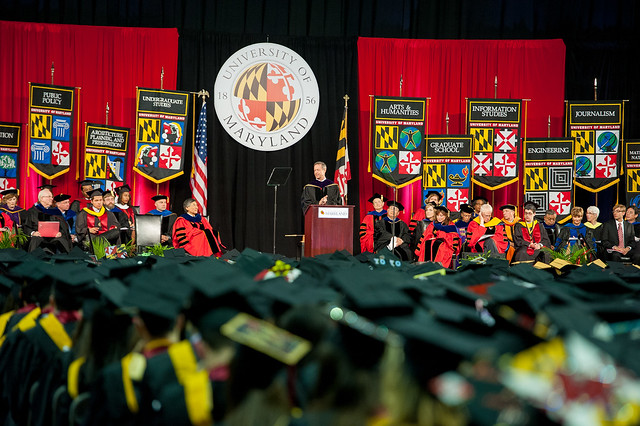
[346, 115]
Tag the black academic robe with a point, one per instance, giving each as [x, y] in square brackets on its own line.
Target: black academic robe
[315, 190]
[109, 226]
[37, 214]
[385, 229]
[523, 235]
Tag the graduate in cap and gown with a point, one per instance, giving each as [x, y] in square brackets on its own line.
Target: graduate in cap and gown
[168, 217]
[193, 233]
[392, 232]
[86, 186]
[509, 218]
[369, 220]
[440, 241]
[97, 221]
[486, 232]
[44, 211]
[529, 237]
[320, 190]
[10, 206]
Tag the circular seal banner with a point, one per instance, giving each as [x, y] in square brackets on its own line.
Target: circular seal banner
[266, 97]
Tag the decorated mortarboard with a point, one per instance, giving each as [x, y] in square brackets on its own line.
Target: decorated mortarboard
[398, 204]
[11, 191]
[46, 186]
[374, 196]
[442, 209]
[123, 188]
[508, 207]
[466, 208]
[159, 197]
[95, 193]
[438, 194]
[61, 197]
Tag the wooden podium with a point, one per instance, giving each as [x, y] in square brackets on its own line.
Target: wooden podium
[327, 229]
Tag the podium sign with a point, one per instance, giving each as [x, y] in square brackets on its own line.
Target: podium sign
[327, 229]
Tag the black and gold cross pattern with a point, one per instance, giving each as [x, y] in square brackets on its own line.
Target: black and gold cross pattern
[536, 179]
[633, 180]
[585, 141]
[148, 130]
[386, 137]
[482, 140]
[40, 126]
[435, 176]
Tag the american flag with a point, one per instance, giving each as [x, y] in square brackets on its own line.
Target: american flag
[343, 168]
[198, 181]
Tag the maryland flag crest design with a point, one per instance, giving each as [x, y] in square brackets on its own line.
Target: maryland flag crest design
[632, 166]
[398, 140]
[597, 129]
[447, 168]
[51, 118]
[548, 175]
[162, 118]
[9, 148]
[495, 126]
[105, 159]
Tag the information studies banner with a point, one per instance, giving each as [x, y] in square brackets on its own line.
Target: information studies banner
[398, 135]
[632, 163]
[447, 169]
[9, 148]
[548, 175]
[51, 114]
[597, 129]
[495, 129]
[105, 158]
[162, 118]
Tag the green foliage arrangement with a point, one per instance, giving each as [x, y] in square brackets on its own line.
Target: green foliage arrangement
[13, 240]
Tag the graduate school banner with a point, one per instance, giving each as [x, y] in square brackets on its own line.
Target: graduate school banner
[51, 115]
[548, 175]
[161, 130]
[398, 133]
[632, 162]
[597, 129]
[495, 128]
[9, 147]
[447, 169]
[105, 158]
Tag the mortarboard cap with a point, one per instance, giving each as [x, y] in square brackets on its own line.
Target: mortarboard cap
[95, 193]
[442, 209]
[530, 205]
[466, 208]
[432, 204]
[484, 200]
[123, 188]
[508, 207]
[46, 186]
[86, 182]
[438, 194]
[9, 192]
[159, 197]
[113, 290]
[61, 197]
[397, 204]
[108, 192]
[374, 196]
[146, 298]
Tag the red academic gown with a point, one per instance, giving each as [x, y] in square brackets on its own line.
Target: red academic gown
[367, 228]
[438, 245]
[475, 231]
[5, 222]
[195, 235]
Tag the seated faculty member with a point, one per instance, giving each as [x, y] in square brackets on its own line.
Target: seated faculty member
[618, 237]
[320, 190]
[529, 237]
[44, 211]
[485, 233]
[369, 220]
[168, 218]
[97, 221]
[392, 233]
[193, 233]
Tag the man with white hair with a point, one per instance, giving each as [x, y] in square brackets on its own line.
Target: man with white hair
[596, 227]
[44, 211]
[485, 233]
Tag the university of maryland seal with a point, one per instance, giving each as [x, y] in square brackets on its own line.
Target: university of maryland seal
[266, 97]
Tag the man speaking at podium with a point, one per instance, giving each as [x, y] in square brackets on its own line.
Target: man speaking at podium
[321, 190]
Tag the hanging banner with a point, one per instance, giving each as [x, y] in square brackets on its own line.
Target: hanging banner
[548, 175]
[447, 169]
[161, 128]
[597, 129]
[495, 128]
[397, 135]
[51, 111]
[9, 147]
[105, 155]
[632, 163]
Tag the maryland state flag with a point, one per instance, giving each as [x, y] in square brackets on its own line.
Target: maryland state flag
[548, 175]
[9, 147]
[597, 129]
[398, 133]
[447, 169]
[51, 111]
[494, 126]
[632, 162]
[105, 158]
[160, 135]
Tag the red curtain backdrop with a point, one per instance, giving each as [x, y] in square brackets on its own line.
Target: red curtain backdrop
[448, 71]
[107, 63]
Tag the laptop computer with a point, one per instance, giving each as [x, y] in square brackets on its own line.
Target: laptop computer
[48, 229]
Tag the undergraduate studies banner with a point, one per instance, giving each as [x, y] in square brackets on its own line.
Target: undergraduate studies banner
[161, 130]
[105, 158]
[495, 128]
[9, 147]
[447, 169]
[548, 175]
[597, 129]
[398, 134]
[51, 111]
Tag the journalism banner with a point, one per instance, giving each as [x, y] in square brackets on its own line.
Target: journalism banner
[398, 133]
[161, 130]
[9, 147]
[51, 113]
[548, 175]
[597, 129]
[494, 126]
[632, 162]
[105, 155]
[447, 169]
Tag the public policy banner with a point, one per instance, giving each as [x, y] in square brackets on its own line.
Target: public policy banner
[160, 137]
[447, 169]
[51, 118]
[398, 132]
[632, 162]
[9, 147]
[495, 128]
[597, 129]
[548, 175]
[105, 158]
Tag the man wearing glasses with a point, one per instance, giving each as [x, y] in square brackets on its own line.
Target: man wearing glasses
[618, 237]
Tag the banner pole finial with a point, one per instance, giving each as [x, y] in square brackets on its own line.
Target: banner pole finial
[52, 71]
